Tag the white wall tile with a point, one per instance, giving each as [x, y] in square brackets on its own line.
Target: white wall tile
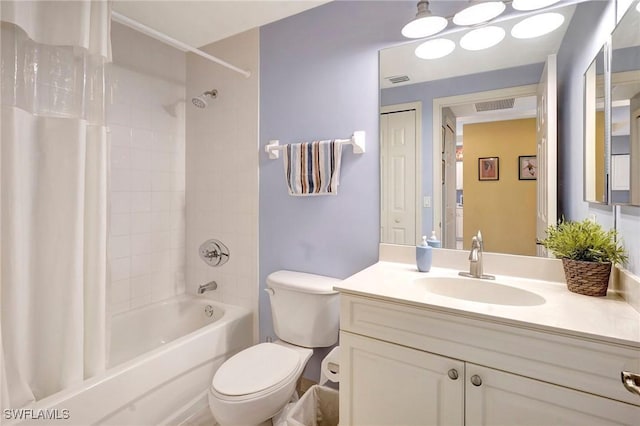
[141, 116]
[140, 286]
[120, 135]
[120, 157]
[140, 223]
[120, 202]
[120, 224]
[161, 241]
[145, 137]
[120, 180]
[119, 113]
[161, 201]
[120, 247]
[120, 269]
[161, 181]
[142, 244]
[141, 138]
[222, 173]
[141, 181]
[140, 265]
[119, 292]
[141, 202]
[141, 159]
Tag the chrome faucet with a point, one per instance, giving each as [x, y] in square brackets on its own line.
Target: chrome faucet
[210, 286]
[475, 260]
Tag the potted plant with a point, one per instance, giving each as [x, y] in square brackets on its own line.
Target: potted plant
[587, 252]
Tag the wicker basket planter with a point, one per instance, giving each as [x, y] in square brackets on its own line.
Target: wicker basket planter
[588, 278]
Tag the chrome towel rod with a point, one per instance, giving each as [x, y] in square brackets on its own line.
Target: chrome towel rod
[273, 148]
[118, 17]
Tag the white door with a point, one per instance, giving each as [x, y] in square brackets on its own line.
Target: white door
[547, 152]
[494, 397]
[449, 186]
[388, 384]
[398, 177]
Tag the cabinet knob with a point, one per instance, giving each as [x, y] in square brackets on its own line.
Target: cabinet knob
[631, 381]
[476, 380]
[453, 374]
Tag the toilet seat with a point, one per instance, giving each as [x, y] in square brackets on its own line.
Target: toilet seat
[256, 371]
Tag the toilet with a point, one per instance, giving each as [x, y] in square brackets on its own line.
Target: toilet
[255, 384]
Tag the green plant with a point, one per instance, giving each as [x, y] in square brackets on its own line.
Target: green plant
[585, 241]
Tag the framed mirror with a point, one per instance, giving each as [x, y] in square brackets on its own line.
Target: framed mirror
[448, 108]
[625, 108]
[596, 132]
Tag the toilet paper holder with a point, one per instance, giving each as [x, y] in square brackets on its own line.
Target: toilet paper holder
[330, 367]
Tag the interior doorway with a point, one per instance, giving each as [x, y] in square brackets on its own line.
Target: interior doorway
[493, 129]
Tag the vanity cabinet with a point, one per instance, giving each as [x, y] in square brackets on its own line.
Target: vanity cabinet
[396, 385]
[408, 365]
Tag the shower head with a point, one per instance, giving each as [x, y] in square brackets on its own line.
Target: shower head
[201, 101]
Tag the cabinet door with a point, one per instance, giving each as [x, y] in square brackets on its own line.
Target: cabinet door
[497, 398]
[386, 384]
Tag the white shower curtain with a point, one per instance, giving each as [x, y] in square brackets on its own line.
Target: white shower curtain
[53, 171]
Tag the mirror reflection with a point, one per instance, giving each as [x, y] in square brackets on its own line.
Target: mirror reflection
[595, 189]
[459, 142]
[625, 109]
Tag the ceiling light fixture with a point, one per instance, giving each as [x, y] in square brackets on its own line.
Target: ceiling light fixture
[424, 24]
[478, 12]
[482, 38]
[434, 49]
[638, 7]
[537, 25]
[532, 4]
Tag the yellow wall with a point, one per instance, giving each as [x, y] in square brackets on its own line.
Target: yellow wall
[600, 155]
[504, 210]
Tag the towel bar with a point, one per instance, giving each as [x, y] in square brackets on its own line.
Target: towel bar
[273, 148]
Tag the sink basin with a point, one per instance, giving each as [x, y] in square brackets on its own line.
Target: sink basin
[476, 290]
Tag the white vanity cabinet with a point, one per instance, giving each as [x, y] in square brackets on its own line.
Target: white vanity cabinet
[391, 384]
[409, 365]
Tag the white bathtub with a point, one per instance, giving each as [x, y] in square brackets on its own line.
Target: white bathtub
[162, 356]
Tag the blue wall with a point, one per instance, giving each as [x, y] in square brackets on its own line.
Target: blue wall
[319, 80]
[428, 91]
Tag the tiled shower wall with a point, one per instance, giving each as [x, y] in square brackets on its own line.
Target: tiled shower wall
[145, 113]
[222, 170]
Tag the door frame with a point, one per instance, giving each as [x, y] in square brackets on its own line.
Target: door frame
[449, 101]
[417, 106]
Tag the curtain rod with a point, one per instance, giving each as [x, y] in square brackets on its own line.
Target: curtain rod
[117, 17]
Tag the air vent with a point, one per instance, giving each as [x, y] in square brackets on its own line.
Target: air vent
[495, 105]
[398, 79]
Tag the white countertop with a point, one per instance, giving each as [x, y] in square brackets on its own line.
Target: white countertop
[608, 319]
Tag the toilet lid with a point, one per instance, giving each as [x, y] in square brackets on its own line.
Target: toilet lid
[255, 369]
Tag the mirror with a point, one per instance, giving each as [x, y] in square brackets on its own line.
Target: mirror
[596, 140]
[625, 109]
[430, 186]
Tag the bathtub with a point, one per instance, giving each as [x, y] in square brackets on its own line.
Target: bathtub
[162, 358]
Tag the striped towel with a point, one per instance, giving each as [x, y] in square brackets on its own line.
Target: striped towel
[313, 168]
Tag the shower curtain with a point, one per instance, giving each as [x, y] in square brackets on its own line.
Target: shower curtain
[53, 171]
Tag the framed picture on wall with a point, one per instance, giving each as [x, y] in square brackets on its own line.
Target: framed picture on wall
[488, 168]
[527, 167]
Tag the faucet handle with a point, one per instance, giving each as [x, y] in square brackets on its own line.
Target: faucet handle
[475, 245]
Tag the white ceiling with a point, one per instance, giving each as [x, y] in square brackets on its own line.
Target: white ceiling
[511, 52]
[199, 23]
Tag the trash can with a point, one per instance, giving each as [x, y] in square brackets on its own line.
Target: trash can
[317, 407]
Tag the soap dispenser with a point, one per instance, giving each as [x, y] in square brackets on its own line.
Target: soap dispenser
[433, 241]
[423, 255]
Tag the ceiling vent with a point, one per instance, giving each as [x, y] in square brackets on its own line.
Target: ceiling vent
[495, 105]
[398, 79]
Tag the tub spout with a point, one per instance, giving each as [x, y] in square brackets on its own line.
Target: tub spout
[210, 286]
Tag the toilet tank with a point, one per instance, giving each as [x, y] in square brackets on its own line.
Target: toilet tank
[305, 308]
